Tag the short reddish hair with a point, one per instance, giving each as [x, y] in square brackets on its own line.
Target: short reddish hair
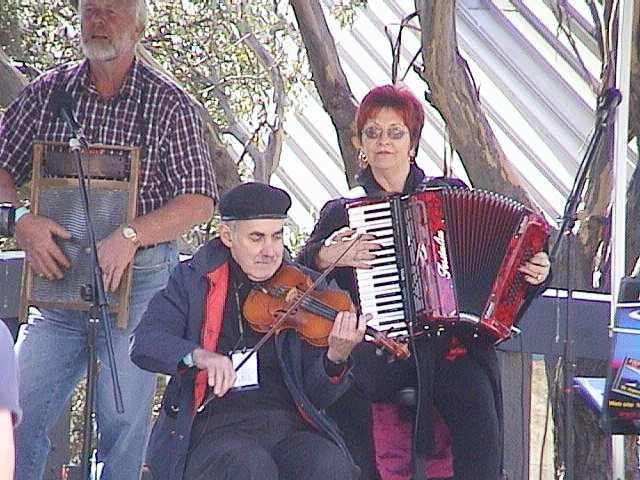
[398, 98]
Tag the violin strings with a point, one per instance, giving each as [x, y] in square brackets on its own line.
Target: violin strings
[320, 307]
[310, 303]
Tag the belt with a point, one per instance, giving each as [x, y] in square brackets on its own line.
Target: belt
[153, 245]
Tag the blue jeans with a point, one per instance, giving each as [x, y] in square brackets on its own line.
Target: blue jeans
[52, 358]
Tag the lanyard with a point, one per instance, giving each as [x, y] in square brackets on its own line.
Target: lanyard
[241, 344]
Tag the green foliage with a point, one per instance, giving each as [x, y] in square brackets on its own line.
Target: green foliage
[10, 34]
[48, 33]
[201, 43]
[345, 11]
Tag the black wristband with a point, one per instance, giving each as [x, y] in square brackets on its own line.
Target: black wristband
[334, 369]
[7, 220]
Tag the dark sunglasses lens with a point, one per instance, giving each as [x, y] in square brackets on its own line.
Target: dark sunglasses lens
[372, 132]
[392, 133]
[395, 133]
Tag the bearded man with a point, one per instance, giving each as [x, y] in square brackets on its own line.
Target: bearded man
[118, 101]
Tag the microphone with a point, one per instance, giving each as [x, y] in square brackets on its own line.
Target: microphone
[607, 103]
[610, 98]
[62, 104]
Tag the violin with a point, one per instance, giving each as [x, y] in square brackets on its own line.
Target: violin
[312, 318]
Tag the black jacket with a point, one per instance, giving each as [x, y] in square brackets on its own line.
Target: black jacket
[372, 374]
[171, 328]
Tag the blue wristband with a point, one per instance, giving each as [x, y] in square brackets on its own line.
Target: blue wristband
[188, 360]
[20, 212]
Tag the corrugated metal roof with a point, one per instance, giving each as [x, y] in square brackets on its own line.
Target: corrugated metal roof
[535, 92]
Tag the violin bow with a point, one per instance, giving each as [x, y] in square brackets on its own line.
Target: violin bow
[265, 338]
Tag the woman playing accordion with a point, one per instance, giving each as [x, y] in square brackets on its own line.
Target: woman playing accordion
[455, 374]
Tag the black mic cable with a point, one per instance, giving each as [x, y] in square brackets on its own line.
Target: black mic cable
[62, 104]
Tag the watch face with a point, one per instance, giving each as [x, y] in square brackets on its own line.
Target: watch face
[129, 232]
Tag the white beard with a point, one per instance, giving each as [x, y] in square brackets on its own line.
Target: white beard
[103, 50]
[99, 53]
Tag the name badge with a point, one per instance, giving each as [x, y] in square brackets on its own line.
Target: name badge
[247, 376]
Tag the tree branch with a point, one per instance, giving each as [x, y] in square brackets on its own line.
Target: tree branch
[11, 81]
[559, 13]
[329, 79]
[266, 164]
[595, 16]
[454, 95]
[234, 128]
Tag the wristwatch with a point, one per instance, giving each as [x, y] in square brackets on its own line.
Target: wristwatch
[130, 234]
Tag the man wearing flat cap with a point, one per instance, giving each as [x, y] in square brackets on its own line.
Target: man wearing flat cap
[267, 420]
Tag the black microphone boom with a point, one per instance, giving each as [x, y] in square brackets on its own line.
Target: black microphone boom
[62, 104]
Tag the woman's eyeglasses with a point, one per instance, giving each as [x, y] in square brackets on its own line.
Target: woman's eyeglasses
[393, 133]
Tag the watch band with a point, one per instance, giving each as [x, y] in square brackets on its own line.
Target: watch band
[20, 212]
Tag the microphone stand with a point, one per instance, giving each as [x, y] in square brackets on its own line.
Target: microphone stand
[98, 297]
[606, 106]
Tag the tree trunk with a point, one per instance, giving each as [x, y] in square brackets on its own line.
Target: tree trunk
[329, 79]
[11, 81]
[453, 93]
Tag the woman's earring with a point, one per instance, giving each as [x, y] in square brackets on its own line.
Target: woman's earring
[362, 159]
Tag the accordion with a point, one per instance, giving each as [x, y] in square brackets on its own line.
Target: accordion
[449, 259]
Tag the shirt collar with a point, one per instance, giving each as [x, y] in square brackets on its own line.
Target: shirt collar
[131, 87]
[366, 179]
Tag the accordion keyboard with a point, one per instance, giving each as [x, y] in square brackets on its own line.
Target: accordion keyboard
[379, 289]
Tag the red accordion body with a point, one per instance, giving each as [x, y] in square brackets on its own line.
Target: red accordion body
[450, 260]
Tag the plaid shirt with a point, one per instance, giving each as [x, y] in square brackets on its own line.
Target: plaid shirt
[150, 111]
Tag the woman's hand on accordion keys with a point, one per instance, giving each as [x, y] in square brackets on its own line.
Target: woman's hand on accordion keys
[536, 269]
[359, 250]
